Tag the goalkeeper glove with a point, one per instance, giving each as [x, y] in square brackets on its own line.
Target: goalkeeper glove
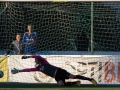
[25, 57]
[14, 71]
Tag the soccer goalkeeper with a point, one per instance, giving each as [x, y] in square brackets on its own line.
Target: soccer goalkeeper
[58, 73]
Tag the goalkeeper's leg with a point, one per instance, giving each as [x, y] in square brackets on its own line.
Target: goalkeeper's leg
[72, 83]
[83, 78]
[86, 78]
[63, 83]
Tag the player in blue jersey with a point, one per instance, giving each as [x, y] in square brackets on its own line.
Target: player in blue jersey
[58, 73]
[30, 39]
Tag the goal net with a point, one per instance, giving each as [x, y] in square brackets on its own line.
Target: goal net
[62, 26]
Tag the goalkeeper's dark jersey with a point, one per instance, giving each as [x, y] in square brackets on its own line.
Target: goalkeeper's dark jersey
[47, 69]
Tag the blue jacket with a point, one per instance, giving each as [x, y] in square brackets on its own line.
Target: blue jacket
[27, 39]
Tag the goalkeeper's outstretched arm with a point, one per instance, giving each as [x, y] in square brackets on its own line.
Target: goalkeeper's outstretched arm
[25, 57]
[15, 71]
[39, 58]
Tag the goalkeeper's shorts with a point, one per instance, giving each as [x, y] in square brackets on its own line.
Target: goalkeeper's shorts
[61, 74]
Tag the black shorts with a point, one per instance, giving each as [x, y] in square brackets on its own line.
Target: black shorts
[61, 74]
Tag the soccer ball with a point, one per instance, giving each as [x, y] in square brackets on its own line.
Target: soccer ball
[1, 74]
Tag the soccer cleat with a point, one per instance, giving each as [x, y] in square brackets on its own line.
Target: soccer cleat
[94, 82]
[78, 83]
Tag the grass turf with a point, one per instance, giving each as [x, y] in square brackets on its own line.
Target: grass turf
[34, 86]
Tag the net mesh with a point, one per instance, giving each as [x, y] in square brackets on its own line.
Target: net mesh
[64, 26]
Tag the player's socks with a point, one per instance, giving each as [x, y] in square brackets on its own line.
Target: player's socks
[94, 82]
[69, 83]
[78, 83]
[82, 77]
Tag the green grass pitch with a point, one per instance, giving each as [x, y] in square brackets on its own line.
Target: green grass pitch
[26, 86]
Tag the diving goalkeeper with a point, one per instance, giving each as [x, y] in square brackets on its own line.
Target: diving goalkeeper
[57, 73]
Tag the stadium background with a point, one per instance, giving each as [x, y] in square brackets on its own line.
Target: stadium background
[64, 26]
[61, 27]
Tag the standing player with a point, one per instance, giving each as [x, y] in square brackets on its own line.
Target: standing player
[29, 39]
[16, 46]
[56, 72]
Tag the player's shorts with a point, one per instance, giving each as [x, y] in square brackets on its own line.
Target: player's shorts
[61, 74]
